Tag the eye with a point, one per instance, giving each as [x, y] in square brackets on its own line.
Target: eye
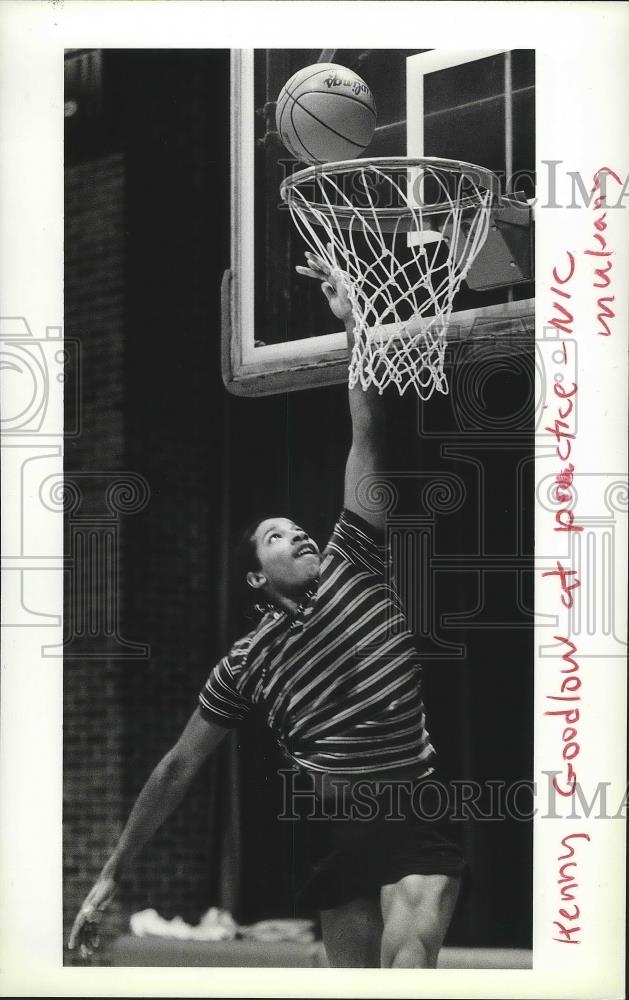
[274, 534]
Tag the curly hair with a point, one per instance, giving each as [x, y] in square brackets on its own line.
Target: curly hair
[246, 551]
[245, 561]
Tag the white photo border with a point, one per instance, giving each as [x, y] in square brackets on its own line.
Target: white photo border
[582, 84]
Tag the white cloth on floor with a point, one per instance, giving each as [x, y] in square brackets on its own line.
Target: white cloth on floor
[219, 925]
[215, 925]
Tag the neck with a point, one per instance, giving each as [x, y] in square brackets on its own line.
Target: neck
[287, 603]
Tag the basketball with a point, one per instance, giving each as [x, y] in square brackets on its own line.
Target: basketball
[325, 113]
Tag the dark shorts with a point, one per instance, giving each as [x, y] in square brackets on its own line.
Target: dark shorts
[409, 833]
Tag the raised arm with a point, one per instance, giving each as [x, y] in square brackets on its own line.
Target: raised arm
[163, 791]
[366, 454]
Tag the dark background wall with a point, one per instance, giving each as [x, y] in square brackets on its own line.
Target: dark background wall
[147, 240]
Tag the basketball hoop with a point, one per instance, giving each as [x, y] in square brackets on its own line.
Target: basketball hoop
[402, 234]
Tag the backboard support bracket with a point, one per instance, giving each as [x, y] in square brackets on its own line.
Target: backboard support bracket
[508, 255]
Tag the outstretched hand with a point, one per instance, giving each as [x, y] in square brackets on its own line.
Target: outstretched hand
[333, 286]
[84, 934]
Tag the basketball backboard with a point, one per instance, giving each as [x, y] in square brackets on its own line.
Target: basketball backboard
[476, 106]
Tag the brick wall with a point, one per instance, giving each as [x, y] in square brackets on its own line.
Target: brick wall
[93, 722]
[145, 245]
[177, 211]
[122, 715]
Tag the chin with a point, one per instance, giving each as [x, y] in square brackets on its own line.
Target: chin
[310, 578]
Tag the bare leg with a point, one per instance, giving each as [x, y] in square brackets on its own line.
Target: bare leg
[352, 934]
[417, 911]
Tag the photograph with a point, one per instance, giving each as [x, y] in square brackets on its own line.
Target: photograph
[315, 580]
[314, 535]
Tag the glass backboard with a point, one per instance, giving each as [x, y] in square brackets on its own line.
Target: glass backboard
[477, 106]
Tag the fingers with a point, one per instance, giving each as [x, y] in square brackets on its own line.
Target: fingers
[333, 281]
[318, 263]
[90, 940]
[84, 933]
[308, 273]
[76, 930]
[85, 936]
[85, 930]
[317, 268]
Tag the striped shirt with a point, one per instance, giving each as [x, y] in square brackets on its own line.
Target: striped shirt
[338, 683]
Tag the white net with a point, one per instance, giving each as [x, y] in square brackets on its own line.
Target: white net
[402, 235]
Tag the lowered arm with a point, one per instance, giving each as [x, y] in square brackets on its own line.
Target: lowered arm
[163, 791]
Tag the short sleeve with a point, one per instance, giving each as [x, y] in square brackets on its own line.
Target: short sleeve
[220, 700]
[357, 541]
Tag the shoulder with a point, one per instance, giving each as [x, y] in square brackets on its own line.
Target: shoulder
[355, 540]
[221, 699]
[237, 655]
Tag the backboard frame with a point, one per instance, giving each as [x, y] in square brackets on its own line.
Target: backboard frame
[511, 323]
[416, 68]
